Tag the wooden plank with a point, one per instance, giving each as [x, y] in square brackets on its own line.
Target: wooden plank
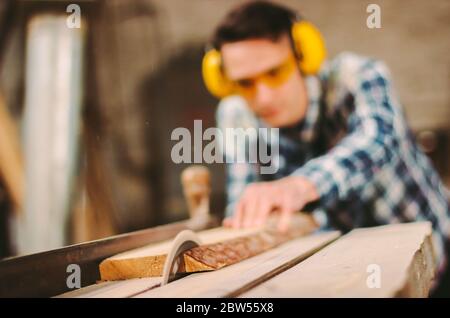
[401, 254]
[221, 247]
[235, 279]
[148, 261]
[221, 254]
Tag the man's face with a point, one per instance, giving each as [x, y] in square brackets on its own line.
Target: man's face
[273, 88]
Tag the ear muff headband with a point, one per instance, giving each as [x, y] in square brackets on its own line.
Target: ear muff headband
[308, 44]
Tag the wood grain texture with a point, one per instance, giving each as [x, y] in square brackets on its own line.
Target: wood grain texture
[403, 253]
[221, 247]
[221, 254]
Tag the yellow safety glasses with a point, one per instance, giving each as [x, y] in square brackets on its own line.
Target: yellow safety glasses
[272, 78]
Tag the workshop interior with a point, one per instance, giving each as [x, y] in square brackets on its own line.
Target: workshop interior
[92, 203]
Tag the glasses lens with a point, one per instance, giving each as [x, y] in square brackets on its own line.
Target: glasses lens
[245, 86]
[273, 78]
[280, 74]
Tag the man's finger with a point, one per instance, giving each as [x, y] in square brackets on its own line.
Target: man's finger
[265, 208]
[251, 209]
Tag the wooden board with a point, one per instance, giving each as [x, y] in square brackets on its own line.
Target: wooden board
[401, 254]
[240, 277]
[221, 247]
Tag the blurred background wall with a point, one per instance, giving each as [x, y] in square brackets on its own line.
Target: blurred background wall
[141, 79]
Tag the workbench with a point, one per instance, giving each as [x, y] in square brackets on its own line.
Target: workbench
[386, 261]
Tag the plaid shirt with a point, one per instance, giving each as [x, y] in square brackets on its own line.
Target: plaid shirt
[370, 172]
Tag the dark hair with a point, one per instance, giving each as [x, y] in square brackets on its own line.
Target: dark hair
[254, 19]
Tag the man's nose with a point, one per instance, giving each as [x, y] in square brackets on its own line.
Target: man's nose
[264, 94]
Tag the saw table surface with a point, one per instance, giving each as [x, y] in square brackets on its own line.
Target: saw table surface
[387, 261]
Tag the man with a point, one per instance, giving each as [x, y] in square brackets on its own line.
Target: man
[345, 151]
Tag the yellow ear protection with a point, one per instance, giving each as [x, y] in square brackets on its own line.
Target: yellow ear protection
[308, 45]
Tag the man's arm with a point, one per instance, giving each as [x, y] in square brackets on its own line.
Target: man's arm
[369, 145]
[346, 168]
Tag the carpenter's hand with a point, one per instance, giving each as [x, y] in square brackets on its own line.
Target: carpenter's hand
[286, 195]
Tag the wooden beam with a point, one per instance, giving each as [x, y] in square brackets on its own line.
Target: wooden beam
[221, 247]
[387, 261]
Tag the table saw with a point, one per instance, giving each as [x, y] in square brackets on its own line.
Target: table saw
[395, 260]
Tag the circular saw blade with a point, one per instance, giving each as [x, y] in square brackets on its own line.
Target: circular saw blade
[185, 240]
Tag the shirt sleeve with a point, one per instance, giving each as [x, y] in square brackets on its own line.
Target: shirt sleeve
[368, 146]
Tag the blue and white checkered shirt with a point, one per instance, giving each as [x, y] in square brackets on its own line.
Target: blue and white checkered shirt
[370, 172]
